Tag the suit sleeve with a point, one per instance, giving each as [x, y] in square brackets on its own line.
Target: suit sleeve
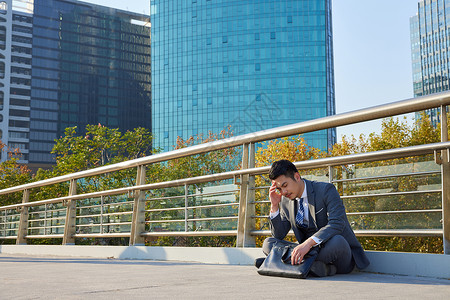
[336, 214]
[279, 226]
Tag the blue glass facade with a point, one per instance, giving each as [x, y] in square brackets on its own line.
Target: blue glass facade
[253, 65]
[90, 65]
[430, 50]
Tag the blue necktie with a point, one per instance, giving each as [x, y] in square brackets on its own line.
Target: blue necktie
[300, 214]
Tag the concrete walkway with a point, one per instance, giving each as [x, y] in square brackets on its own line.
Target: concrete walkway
[24, 277]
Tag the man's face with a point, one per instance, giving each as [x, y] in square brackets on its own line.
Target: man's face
[288, 187]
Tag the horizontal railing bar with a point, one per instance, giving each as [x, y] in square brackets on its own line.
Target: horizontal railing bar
[191, 220]
[164, 209]
[44, 236]
[367, 114]
[14, 237]
[386, 176]
[373, 232]
[47, 219]
[191, 207]
[105, 215]
[164, 198]
[48, 226]
[389, 212]
[259, 188]
[213, 205]
[372, 195]
[103, 224]
[260, 202]
[391, 194]
[330, 161]
[192, 195]
[386, 212]
[34, 215]
[46, 211]
[101, 235]
[212, 219]
[105, 204]
[212, 193]
[408, 151]
[191, 233]
[164, 221]
[399, 232]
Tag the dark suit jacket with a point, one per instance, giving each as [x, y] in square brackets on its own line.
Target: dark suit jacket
[327, 212]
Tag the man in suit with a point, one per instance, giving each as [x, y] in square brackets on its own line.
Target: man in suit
[316, 214]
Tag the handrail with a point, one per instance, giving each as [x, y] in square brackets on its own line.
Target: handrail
[309, 164]
[357, 116]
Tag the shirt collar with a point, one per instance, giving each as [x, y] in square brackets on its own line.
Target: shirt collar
[304, 194]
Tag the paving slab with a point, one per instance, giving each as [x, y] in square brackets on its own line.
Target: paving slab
[25, 277]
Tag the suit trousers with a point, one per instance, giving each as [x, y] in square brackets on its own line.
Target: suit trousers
[335, 251]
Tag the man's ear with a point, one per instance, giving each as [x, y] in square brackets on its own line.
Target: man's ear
[297, 177]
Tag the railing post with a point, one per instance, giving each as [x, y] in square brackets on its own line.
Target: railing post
[71, 213]
[138, 222]
[445, 168]
[23, 222]
[186, 202]
[244, 225]
[330, 174]
[249, 240]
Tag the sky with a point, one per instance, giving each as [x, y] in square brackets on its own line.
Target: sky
[372, 54]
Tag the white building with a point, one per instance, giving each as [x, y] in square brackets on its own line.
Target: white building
[15, 78]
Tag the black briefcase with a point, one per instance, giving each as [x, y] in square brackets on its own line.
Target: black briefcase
[278, 262]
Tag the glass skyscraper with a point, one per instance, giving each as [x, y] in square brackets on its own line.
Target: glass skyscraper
[251, 64]
[430, 50]
[90, 65]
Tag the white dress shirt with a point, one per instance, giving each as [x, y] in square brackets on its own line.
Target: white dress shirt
[305, 209]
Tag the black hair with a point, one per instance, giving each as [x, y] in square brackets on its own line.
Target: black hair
[282, 167]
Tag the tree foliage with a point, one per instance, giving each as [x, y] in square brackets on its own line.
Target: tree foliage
[394, 133]
[12, 174]
[101, 146]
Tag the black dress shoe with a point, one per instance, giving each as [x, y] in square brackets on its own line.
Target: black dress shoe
[321, 269]
[259, 262]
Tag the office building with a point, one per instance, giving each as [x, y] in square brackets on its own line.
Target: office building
[253, 65]
[430, 50]
[91, 64]
[15, 79]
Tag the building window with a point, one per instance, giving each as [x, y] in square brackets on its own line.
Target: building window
[224, 39]
[3, 7]
[272, 36]
[258, 67]
[2, 37]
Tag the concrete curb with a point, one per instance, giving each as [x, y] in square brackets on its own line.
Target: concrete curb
[398, 263]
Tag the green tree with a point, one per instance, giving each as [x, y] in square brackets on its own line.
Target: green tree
[12, 174]
[99, 146]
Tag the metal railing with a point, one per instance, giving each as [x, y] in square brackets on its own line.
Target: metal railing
[143, 211]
